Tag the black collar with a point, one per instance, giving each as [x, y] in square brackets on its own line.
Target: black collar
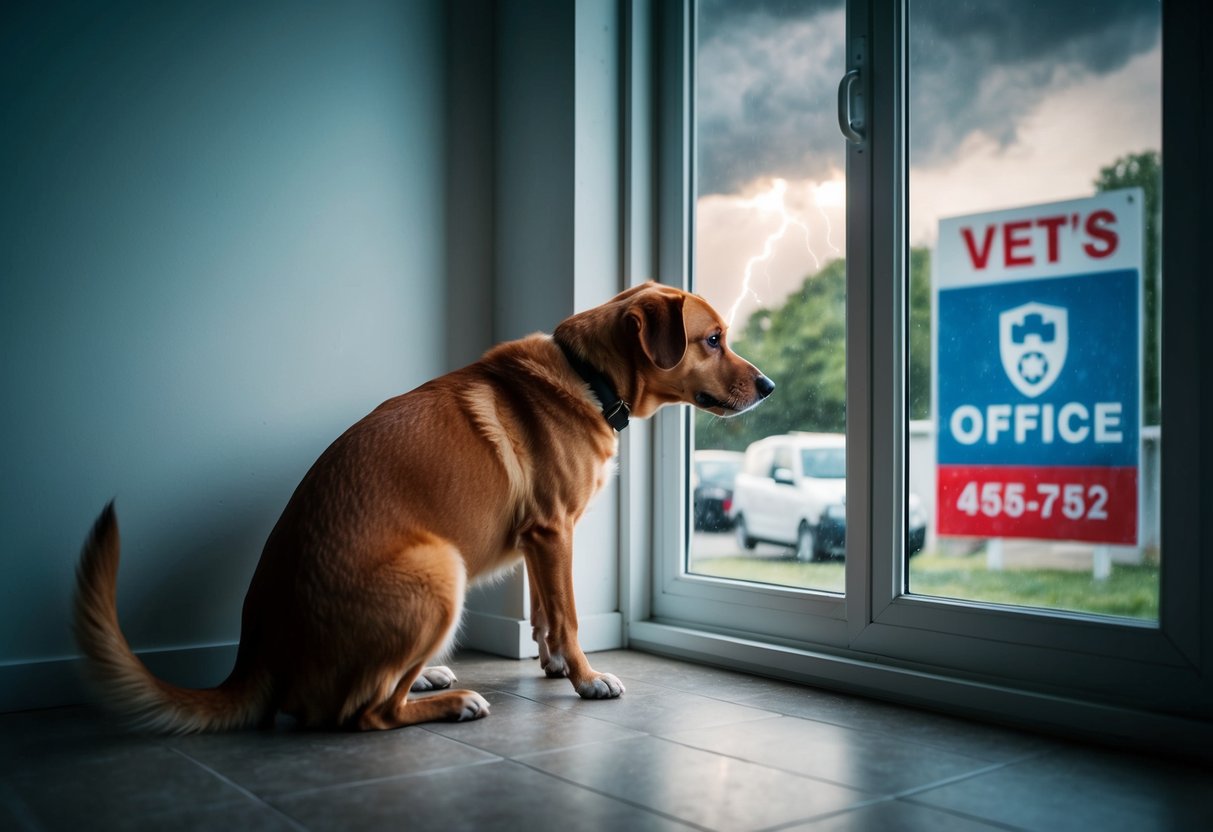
[614, 409]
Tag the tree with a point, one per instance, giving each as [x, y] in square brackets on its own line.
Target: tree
[1144, 170]
[801, 345]
[919, 335]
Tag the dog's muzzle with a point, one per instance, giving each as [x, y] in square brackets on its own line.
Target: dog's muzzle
[763, 386]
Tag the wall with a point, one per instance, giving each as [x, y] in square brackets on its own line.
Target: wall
[221, 242]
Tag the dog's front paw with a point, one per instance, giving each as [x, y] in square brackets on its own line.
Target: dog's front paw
[555, 666]
[601, 686]
[434, 678]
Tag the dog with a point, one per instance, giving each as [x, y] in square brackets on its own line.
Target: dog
[361, 582]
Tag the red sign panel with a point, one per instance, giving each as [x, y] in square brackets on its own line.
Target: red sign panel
[1064, 502]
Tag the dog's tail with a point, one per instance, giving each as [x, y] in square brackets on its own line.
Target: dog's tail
[124, 680]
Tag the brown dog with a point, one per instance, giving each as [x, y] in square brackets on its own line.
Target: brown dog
[362, 579]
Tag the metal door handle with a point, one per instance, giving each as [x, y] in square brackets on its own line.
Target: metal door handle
[850, 108]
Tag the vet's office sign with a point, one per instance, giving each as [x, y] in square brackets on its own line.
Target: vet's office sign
[1037, 370]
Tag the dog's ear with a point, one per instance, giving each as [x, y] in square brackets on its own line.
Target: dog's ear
[660, 327]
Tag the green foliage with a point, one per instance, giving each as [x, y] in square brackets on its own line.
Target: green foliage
[1129, 591]
[920, 333]
[801, 345]
[1144, 170]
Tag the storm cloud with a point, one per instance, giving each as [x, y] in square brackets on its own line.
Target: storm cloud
[767, 76]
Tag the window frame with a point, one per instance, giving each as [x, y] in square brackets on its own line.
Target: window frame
[1045, 668]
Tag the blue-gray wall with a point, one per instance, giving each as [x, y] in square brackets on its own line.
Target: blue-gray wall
[222, 240]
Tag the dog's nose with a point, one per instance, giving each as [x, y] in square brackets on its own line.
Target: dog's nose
[764, 386]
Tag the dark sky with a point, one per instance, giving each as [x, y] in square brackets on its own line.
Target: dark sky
[768, 72]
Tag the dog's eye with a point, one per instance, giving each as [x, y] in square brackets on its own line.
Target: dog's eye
[714, 340]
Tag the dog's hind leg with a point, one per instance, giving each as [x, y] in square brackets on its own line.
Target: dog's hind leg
[539, 630]
[418, 605]
[398, 710]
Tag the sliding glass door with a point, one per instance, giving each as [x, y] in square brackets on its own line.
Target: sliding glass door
[1034, 224]
[939, 229]
[1021, 312]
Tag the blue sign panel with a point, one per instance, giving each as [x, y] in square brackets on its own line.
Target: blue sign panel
[1055, 358]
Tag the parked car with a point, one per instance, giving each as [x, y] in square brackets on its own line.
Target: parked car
[712, 475]
[792, 490]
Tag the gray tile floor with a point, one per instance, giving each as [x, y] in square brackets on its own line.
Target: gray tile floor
[687, 747]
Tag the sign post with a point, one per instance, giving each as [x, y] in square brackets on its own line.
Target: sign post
[1037, 371]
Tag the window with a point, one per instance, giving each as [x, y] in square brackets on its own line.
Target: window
[824, 463]
[767, 250]
[976, 116]
[1034, 223]
[769, 225]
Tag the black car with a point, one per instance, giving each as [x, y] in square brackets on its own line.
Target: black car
[713, 475]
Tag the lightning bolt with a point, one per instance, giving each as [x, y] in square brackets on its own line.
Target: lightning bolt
[830, 192]
[829, 231]
[772, 202]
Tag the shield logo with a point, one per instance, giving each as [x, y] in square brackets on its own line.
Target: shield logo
[1033, 340]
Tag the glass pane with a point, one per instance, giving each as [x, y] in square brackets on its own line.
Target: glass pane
[1034, 217]
[769, 486]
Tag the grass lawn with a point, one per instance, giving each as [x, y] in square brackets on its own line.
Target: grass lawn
[828, 576]
[1130, 591]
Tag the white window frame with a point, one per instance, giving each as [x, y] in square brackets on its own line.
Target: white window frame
[1142, 682]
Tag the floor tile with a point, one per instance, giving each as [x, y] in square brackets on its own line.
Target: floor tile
[895, 816]
[654, 709]
[524, 678]
[712, 748]
[973, 739]
[517, 726]
[502, 796]
[280, 761]
[876, 763]
[34, 739]
[480, 670]
[246, 817]
[706, 681]
[116, 791]
[14, 814]
[705, 789]
[521, 678]
[1083, 789]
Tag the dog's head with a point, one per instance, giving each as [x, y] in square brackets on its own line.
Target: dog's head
[660, 345]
